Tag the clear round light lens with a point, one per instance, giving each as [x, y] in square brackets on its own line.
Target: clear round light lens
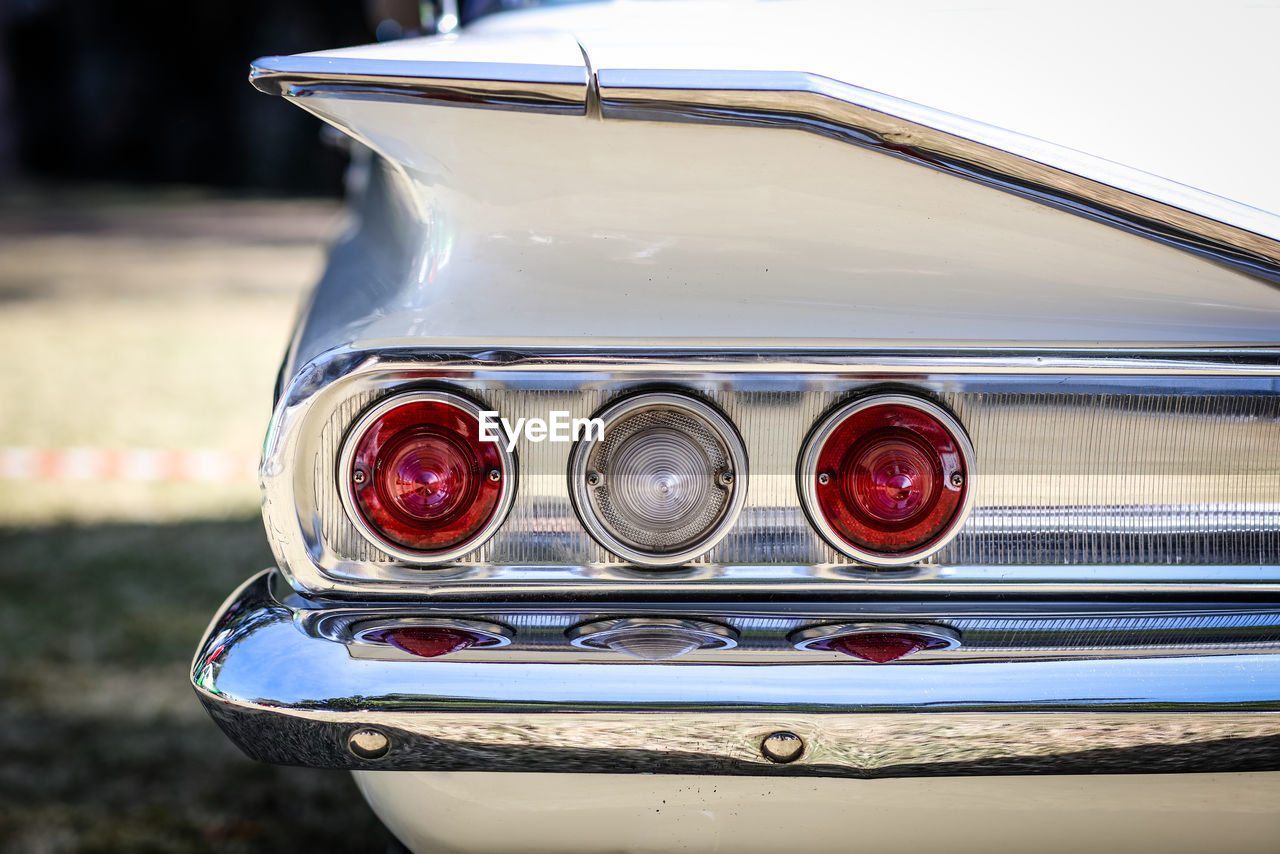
[653, 638]
[660, 478]
[655, 644]
[665, 481]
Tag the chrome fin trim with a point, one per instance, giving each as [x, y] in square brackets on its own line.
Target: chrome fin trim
[1242, 237]
[543, 88]
[1193, 220]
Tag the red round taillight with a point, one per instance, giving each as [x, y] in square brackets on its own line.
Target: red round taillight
[886, 479]
[420, 484]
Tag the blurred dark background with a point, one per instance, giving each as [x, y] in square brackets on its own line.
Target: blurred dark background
[160, 223]
[148, 92]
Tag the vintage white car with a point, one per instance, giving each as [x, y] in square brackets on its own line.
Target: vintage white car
[785, 427]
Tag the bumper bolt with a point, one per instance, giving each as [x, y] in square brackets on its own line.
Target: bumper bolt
[782, 747]
[368, 744]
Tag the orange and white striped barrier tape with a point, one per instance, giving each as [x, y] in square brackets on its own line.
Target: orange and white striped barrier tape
[204, 465]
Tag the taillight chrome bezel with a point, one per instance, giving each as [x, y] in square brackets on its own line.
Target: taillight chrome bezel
[1012, 404]
[597, 634]
[807, 475]
[817, 638]
[580, 461]
[371, 632]
[347, 487]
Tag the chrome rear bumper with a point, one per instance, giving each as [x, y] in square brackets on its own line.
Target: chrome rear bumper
[283, 685]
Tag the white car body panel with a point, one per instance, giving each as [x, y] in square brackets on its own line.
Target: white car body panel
[1183, 90]
[816, 239]
[819, 240]
[711, 232]
[476, 813]
[527, 227]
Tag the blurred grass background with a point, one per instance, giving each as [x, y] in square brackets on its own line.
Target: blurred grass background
[129, 320]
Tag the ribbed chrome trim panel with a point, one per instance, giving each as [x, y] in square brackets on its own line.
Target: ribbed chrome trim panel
[1066, 479]
[1123, 478]
[1091, 468]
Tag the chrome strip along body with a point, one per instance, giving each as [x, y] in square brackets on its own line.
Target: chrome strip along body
[544, 88]
[288, 696]
[1236, 235]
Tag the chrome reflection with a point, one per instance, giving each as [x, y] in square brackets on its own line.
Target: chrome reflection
[285, 696]
[513, 86]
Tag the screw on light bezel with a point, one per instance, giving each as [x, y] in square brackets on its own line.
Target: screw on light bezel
[597, 634]
[807, 639]
[346, 486]
[807, 476]
[579, 485]
[366, 632]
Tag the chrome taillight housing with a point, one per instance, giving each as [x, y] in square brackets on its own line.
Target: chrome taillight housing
[1042, 481]
[417, 480]
[663, 483]
[887, 479]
